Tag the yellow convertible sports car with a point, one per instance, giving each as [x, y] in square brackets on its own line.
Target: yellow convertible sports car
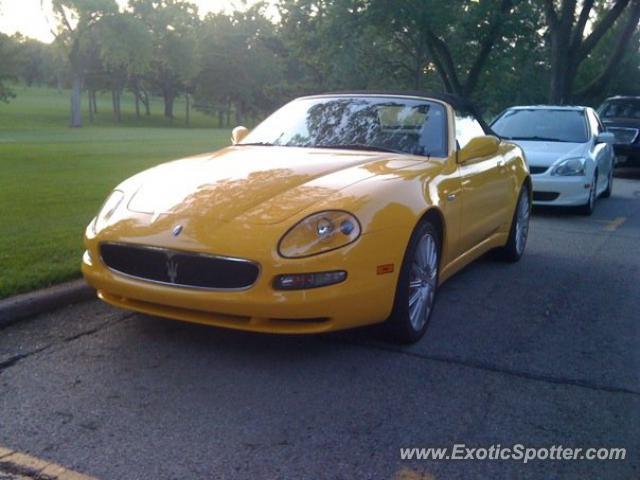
[337, 211]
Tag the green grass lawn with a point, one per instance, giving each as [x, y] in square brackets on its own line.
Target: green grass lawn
[53, 179]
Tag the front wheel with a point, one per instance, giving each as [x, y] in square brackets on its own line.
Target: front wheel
[417, 284]
[607, 192]
[590, 206]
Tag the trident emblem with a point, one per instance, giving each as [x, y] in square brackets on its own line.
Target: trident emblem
[172, 269]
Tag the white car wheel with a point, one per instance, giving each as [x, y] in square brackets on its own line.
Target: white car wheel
[589, 207]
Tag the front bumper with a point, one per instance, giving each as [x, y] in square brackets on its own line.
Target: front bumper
[628, 155]
[560, 191]
[365, 297]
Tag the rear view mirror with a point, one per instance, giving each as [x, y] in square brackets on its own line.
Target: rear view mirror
[479, 147]
[605, 137]
[238, 133]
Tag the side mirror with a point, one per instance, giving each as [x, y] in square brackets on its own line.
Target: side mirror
[238, 133]
[479, 147]
[606, 137]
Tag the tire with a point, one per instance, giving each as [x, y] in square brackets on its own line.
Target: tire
[519, 232]
[421, 265]
[590, 206]
[607, 192]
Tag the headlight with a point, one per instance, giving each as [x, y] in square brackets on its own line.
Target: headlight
[319, 233]
[109, 207]
[569, 167]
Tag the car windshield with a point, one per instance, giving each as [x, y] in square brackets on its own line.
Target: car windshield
[623, 108]
[553, 125]
[391, 124]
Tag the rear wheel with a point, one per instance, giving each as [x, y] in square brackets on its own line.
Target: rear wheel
[519, 232]
[417, 284]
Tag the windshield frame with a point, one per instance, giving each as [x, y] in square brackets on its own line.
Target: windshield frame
[610, 101]
[444, 153]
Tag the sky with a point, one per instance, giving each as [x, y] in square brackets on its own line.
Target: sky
[30, 19]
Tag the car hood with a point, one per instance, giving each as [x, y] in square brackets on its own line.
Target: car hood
[260, 184]
[544, 154]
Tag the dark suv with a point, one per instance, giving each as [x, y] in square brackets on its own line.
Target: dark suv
[621, 115]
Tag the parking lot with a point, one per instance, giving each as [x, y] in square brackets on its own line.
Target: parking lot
[543, 352]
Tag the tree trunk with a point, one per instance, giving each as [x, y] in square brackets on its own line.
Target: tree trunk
[119, 104]
[136, 94]
[220, 118]
[95, 102]
[417, 77]
[238, 114]
[114, 104]
[147, 104]
[560, 87]
[89, 95]
[76, 102]
[187, 119]
[599, 83]
[168, 105]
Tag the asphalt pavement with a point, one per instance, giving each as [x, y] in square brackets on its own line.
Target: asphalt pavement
[543, 352]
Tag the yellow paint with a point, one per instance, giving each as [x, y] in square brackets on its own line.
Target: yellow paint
[614, 224]
[24, 461]
[29, 465]
[408, 474]
[241, 200]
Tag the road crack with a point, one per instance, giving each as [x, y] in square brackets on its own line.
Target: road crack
[14, 360]
[488, 367]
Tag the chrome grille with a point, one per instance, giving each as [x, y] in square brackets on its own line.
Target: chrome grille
[178, 268]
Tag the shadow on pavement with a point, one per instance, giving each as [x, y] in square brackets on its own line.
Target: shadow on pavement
[628, 173]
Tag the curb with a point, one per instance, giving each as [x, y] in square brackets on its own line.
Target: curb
[29, 304]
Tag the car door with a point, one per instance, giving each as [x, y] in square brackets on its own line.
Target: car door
[602, 153]
[486, 188]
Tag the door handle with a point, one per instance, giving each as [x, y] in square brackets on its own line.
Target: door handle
[500, 163]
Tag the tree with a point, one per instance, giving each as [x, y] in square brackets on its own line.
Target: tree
[407, 44]
[125, 50]
[172, 25]
[336, 45]
[76, 19]
[9, 65]
[567, 22]
[35, 61]
[454, 39]
[241, 66]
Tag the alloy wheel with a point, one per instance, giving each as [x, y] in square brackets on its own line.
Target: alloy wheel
[422, 281]
[592, 193]
[522, 223]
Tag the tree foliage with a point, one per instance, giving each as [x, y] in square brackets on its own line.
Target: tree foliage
[496, 52]
[172, 25]
[9, 66]
[571, 42]
[242, 64]
[76, 21]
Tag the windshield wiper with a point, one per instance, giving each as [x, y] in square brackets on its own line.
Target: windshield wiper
[257, 144]
[536, 139]
[358, 146]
